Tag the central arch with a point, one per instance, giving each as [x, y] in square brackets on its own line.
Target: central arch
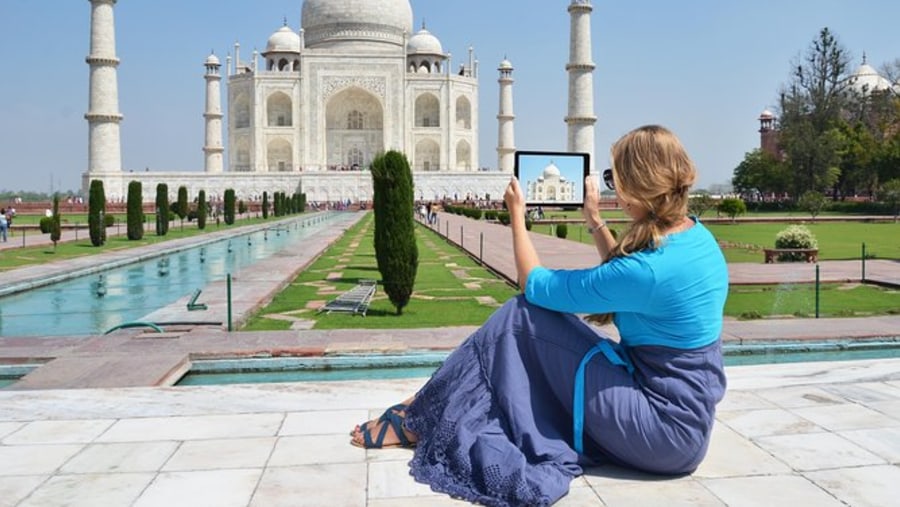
[354, 128]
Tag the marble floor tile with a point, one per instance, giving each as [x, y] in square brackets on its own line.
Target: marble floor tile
[322, 423]
[845, 417]
[865, 392]
[770, 491]
[221, 453]
[391, 479]
[688, 493]
[58, 432]
[9, 427]
[817, 451]
[89, 490]
[757, 423]
[861, 487]
[799, 396]
[743, 400]
[312, 486]
[120, 458]
[312, 450]
[579, 496]
[731, 455]
[193, 428]
[888, 408]
[15, 488]
[222, 488]
[432, 501]
[884, 442]
[34, 459]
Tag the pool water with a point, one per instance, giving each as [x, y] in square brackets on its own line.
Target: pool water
[93, 304]
[263, 370]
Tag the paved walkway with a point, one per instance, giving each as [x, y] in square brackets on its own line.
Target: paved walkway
[818, 434]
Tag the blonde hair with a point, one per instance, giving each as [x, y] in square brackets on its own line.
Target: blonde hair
[652, 171]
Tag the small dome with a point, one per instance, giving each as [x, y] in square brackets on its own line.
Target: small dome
[284, 40]
[551, 171]
[866, 79]
[212, 60]
[766, 115]
[505, 65]
[424, 42]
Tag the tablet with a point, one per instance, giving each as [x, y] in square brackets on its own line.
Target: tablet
[552, 178]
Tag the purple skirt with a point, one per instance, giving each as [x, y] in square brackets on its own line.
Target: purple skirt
[494, 422]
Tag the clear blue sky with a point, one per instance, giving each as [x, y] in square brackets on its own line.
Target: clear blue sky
[705, 68]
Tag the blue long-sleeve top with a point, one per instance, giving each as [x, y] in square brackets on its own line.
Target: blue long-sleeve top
[672, 296]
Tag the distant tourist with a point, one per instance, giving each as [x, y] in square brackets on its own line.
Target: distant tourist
[536, 393]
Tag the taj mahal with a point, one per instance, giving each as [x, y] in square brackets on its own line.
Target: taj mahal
[311, 111]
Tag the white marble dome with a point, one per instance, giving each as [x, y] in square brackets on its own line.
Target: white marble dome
[284, 40]
[551, 171]
[212, 60]
[505, 65]
[424, 42]
[332, 23]
[866, 79]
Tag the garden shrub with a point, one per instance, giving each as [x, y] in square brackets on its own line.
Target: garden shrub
[396, 252]
[162, 209]
[795, 236]
[202, 210]
[96, 213]
[562, 230]
[46, 224]
[135, 210]
[229, 206]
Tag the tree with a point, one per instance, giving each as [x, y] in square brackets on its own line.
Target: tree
[732, 207]
[97, 213]
[242, 207]
[810, 112]
[890, 195]
[265, 205]
[182, 206]
[202, 210]
[229, 206]
[700, 204]
[760, 174]
[135, 210]
[813, 202]
[395, 242]
[56, 223]
[162, 209]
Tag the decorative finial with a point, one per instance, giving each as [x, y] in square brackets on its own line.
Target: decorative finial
[285, 21]
[423, 23]
[864, 57]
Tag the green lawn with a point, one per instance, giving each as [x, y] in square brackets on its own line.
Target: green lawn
[744, 242]
[440, 295]
[835, 300]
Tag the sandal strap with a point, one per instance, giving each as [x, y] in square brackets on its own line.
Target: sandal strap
[396, 423]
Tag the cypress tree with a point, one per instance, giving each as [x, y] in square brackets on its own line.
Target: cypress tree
[302, 205]
[162, 209]
[202, 210]
[96, 212]
[135, 209]
[55, 223]
[182, 206]
[265, 205]
[229, 206]
[395, 243]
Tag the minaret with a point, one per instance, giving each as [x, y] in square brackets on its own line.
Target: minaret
[581, 118]
[506, 138]
[213, 115]
[104, 147]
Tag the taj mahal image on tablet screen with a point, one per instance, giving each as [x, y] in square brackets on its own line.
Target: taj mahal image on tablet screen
[311, 111]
